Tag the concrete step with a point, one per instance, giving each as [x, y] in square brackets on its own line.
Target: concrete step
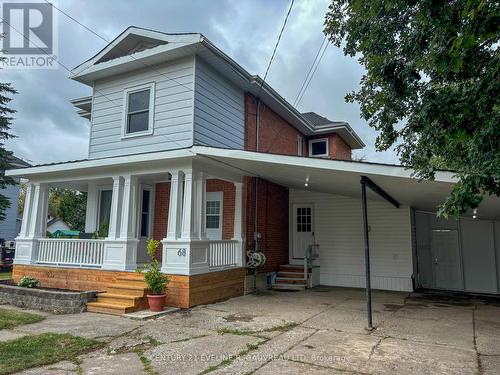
[291, 287]
[131, 290]
[108, 308]
[290, 280]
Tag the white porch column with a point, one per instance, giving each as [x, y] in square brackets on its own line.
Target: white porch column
[175, 205]
[34, 225]
[114, 217]
[188, 254]
[92, 208]
[25, 224]
[238, 220]
[120, 249]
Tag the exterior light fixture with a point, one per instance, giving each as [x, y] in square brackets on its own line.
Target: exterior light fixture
[474, 213]
[306, 184]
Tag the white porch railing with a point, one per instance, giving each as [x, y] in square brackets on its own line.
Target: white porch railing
[224, 254]
[71, 252]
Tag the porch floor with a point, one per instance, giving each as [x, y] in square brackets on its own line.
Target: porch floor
[320, 331]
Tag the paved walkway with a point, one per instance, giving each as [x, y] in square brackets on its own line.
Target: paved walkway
[319, 331]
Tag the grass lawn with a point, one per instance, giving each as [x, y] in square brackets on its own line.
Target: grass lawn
[5, 275]
[44, 349]
[11, 318]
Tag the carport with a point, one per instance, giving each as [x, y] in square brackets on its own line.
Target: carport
[419, 250]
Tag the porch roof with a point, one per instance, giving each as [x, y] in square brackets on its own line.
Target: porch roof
[322, 175]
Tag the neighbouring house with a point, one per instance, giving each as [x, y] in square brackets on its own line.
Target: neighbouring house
[189, 148]
[9, 227]
[55, 224]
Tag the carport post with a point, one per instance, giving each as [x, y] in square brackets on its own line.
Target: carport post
[367, 253]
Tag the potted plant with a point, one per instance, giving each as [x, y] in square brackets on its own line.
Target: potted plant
[155, 280]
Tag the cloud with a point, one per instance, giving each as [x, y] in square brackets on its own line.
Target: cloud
[49, 130]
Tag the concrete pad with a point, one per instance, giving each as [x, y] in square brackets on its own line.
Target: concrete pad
[88, 325]
[284, 367]
[7, 334]
[205, 318]
[488, 336]
[60, 368]
[272, 349]
[490, 365]
[339, 350]
[354, 321]
[393, 356]
[123, 364]
[196, 355]
[438, 331]
[165, 331]
[148, 314]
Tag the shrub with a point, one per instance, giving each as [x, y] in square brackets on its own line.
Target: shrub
[156, 281]
[28, 282]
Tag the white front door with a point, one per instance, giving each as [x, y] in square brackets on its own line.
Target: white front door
[214, 215]
[303, 229]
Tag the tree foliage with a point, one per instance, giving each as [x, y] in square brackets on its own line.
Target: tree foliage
[6, 92]
[431, 87]
[69, 206]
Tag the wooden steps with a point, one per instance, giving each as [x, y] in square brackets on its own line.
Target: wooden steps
[126, 294]
[290, 277]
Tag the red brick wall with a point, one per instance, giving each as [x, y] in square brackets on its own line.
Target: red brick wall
[272, 221]
[279, 137]
[160, 214]
[228, 193]
[275, 134]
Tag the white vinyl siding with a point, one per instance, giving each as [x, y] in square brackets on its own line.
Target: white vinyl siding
[338, 231]
[173, 111]
[219, 109]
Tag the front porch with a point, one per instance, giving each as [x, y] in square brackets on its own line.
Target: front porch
[123, 211]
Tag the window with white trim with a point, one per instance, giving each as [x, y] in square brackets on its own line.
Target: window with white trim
[318, 147]
[138, 110]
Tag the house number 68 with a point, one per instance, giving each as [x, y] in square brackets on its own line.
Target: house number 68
[181, 252]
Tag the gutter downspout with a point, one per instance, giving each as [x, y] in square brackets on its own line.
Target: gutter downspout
[257, 128]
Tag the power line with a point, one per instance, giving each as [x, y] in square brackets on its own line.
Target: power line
[115, 45]
[311, 76]
[275, 48]
[56, 60]
[309, 72]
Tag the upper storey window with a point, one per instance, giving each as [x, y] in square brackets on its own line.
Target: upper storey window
[318, 147]
[139, 110]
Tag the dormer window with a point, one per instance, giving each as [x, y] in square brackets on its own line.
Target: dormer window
[318, 147]
[139, 110]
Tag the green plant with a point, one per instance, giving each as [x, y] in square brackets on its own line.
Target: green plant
[156, 281]
[28, 282]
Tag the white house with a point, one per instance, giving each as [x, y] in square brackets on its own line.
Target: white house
[182, 150]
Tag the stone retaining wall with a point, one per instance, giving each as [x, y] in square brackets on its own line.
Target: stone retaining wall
[53, 301]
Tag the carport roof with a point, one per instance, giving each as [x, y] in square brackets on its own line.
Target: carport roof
[322, 175]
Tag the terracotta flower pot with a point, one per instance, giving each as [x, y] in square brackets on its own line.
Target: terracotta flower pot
[156, 302]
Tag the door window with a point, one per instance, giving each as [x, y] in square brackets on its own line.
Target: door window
[304, 219]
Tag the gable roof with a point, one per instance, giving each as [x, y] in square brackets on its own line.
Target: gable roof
[125, 53]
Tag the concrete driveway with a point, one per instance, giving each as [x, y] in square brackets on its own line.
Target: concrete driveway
[318, 331]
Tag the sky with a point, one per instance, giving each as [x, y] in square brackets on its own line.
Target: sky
[48, 128]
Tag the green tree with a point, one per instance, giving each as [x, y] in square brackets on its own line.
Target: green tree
[6, 92]
[431, 86]
[69, 206]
